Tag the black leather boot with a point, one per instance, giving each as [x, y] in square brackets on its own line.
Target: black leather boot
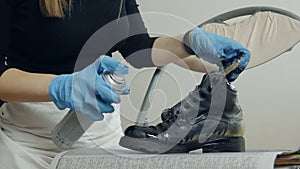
[209, 118]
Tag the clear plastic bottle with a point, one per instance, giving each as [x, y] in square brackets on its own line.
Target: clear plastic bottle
[74, 124]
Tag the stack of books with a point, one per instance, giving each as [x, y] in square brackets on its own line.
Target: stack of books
[289, 160]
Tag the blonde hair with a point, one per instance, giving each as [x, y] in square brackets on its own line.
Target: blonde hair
[55, 8]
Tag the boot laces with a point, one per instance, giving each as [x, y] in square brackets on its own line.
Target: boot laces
[171, 114]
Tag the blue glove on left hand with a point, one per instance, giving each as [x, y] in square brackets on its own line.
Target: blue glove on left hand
[218, 50]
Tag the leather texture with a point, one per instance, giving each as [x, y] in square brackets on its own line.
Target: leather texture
[209, 112]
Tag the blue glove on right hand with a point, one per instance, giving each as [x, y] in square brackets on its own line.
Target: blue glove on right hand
[219, 50]
[86, 91]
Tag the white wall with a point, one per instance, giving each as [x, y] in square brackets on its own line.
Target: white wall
[269, 94]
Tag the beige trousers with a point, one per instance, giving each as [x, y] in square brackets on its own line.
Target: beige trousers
[25, 135]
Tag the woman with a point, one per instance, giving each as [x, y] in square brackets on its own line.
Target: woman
[40, 41]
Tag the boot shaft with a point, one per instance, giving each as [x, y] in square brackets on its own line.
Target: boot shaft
[214, 96]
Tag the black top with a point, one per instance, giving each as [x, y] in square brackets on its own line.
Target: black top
[33, 43]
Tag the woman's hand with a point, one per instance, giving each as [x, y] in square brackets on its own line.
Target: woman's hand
[218, 50]
[86, 91]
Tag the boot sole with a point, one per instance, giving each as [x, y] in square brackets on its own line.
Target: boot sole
[151, 145]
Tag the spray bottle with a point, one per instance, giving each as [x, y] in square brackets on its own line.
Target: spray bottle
[74, 124]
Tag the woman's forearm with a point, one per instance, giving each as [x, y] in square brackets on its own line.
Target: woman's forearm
[195, 64]
[168, 50]
[171, 50]
[20, 86]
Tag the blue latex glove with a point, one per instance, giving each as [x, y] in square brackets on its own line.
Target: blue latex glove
[86, 91]
[219, 50]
